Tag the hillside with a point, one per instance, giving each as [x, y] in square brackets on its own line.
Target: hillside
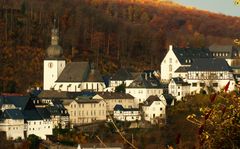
[113, 33]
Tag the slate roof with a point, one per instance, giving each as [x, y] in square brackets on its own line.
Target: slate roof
[220, 48]
[44, 113]
[146, 80]
[53, 94]
[209, 64]
[13, 114]
[185, 56]
[114, 95]
[230, 49]
[74, 72]
[19, 101]
[122, 74]
[169, 98]
[79, 72]
[182, 69]
[150, 100]
[180, 81]
[88, 101]
[31, 115]
[119, 107]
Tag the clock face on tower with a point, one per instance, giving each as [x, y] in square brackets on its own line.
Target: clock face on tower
[50, 65]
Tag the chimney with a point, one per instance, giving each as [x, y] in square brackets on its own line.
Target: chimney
[170, 47]
[145, 76]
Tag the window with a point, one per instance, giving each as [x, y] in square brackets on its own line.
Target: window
[221, 74]
[160, 109]
[202, 84]
[215, 84]
[196, 74]
[194, 84]
[170, 67]
[164, 61]
[170, 60]
[179, 93]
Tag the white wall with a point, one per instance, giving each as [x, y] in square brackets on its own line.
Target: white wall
[39, 128]
[221, 85]
[79, 86]
[170, 60]
[51, 71]
[178, 91]
[115, 83]
[127, 115]
[13, 128]
[141, 94]
[156, 109]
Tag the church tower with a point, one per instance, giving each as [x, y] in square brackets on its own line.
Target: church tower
[54, 63]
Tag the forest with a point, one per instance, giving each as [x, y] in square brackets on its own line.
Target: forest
[133, 34]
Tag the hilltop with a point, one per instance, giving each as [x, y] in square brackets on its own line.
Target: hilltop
[113, 33]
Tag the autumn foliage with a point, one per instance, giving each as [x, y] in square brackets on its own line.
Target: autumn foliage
[112, 33]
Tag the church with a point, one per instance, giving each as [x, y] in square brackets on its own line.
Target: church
[72, 77]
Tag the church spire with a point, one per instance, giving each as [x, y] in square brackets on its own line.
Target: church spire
[55, 36]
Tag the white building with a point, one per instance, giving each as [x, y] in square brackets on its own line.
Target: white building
[74, 76]
[12, 122]
[210, 74]
[145, 85]
[179, 88]
[230, 53]
[176, 58]
[38, 122]
[126, 114]
[112, 99]
[122, 76]
[84, 111]
[154, 110]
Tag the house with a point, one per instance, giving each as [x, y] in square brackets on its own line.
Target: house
[12, 122]
[180, 58]
[126, 114]
[230, 53]
[210, 74]
[122, 76]
[154, 110]
[71, 77]
[59, 114]
[179, 88]
[38, 122]
[112, 99]
[145, 85]
[84, 111]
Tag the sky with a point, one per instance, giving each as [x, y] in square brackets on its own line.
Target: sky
[220, 6]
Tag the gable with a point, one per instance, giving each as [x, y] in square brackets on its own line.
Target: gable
[97, 97]
[170, 54]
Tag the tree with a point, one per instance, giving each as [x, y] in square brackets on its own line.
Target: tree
[34, 140]
[121, 88]
[219, 123]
